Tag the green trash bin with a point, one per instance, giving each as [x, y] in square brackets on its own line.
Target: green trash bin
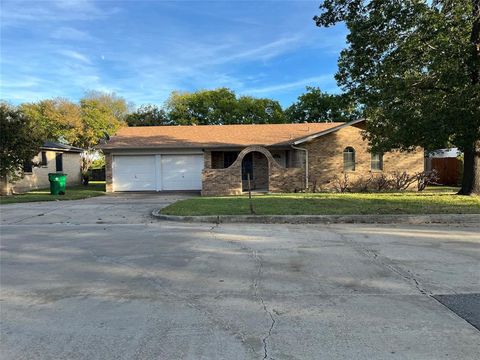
[58, 182]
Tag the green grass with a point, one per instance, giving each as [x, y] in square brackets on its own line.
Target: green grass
[94, 188]
[437, 201]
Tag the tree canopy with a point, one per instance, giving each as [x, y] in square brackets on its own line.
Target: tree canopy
[317, 106]
[221, 106]
[148, 115]
[415, 67]
[97, 116]
[20, 141]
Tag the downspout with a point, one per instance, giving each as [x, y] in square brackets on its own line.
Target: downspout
[306, 163]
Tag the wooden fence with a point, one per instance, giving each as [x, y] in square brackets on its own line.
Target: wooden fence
[448, 170]
[97, 174]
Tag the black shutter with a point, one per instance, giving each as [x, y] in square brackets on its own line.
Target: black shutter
[44, 158]
[59, 162]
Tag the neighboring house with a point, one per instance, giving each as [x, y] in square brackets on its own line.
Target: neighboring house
[53, 157]
[217, 159]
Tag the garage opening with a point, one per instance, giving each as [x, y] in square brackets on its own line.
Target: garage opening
[160, 172]
[256, 165]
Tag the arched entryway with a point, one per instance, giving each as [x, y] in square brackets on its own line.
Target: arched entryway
[256, 165]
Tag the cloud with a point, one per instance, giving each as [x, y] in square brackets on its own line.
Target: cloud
[324, 81]
[75, 55]
[17, 12]
[70, 33]
[262, 52]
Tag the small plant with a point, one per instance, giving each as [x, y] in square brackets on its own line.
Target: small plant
[341, 184]
[381, 182]
[425, 178]
[402, 180]
[362, 184]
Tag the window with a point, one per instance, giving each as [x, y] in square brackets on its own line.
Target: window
[27, 167]
[44, 159]
[349, 159]
[376, 162]
[229, 158]
[58, 162]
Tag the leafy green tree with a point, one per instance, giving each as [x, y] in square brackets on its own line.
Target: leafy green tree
[58, 119]
[112, 103]
[221, 106]
[204, 107]
[317, 106]
[102, 115]
[252, 110]
[415, 67]
[148, 115]
[20, 141]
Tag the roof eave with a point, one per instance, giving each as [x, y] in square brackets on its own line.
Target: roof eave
[49, 148]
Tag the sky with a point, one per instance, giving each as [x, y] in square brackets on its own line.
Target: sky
[143, 50]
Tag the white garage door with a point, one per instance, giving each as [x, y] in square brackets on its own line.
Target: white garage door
[182, 172]
[157, 172]
[134, 173]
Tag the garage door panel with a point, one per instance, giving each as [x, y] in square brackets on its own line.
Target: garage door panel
[182, 172]
[134, 173]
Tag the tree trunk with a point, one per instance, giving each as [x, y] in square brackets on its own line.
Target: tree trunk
[471, 164]
[471, 172]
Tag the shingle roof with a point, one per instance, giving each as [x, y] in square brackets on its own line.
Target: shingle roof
[208, 136]
[50, 145]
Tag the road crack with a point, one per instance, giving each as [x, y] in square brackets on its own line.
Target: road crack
[256, 288]
[372, 254]
[256, 282]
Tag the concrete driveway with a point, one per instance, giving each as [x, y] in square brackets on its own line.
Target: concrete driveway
[100, 279]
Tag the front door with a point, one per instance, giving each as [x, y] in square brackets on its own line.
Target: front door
[247, 169]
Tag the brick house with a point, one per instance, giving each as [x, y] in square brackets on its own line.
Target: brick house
[219, 159]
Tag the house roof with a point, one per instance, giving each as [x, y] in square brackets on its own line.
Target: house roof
[327, 131]
[211, 136]
[50, 145]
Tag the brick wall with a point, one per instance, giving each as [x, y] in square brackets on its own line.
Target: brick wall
[229, 181]
[326, 158]
[108, 172]
[260, 171]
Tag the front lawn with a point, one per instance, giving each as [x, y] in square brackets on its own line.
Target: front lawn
[428, 202]
[95, 188]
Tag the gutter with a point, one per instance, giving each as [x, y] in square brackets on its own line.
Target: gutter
[306, 163]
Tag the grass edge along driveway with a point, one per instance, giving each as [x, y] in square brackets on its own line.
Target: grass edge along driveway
[94, 188]
[329, 204]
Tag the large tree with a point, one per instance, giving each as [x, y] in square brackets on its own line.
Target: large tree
[58, 119]
[20, 141]
[251, 110]
[414, 65]
[149, 115]
[102, 115]
[221, 106]
[318, 106]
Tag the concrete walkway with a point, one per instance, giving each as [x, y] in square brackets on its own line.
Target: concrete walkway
[100, 279]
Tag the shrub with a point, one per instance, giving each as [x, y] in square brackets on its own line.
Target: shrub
[425, 178]
[341, 184]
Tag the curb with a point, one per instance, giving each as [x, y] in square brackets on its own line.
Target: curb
[326, 219]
